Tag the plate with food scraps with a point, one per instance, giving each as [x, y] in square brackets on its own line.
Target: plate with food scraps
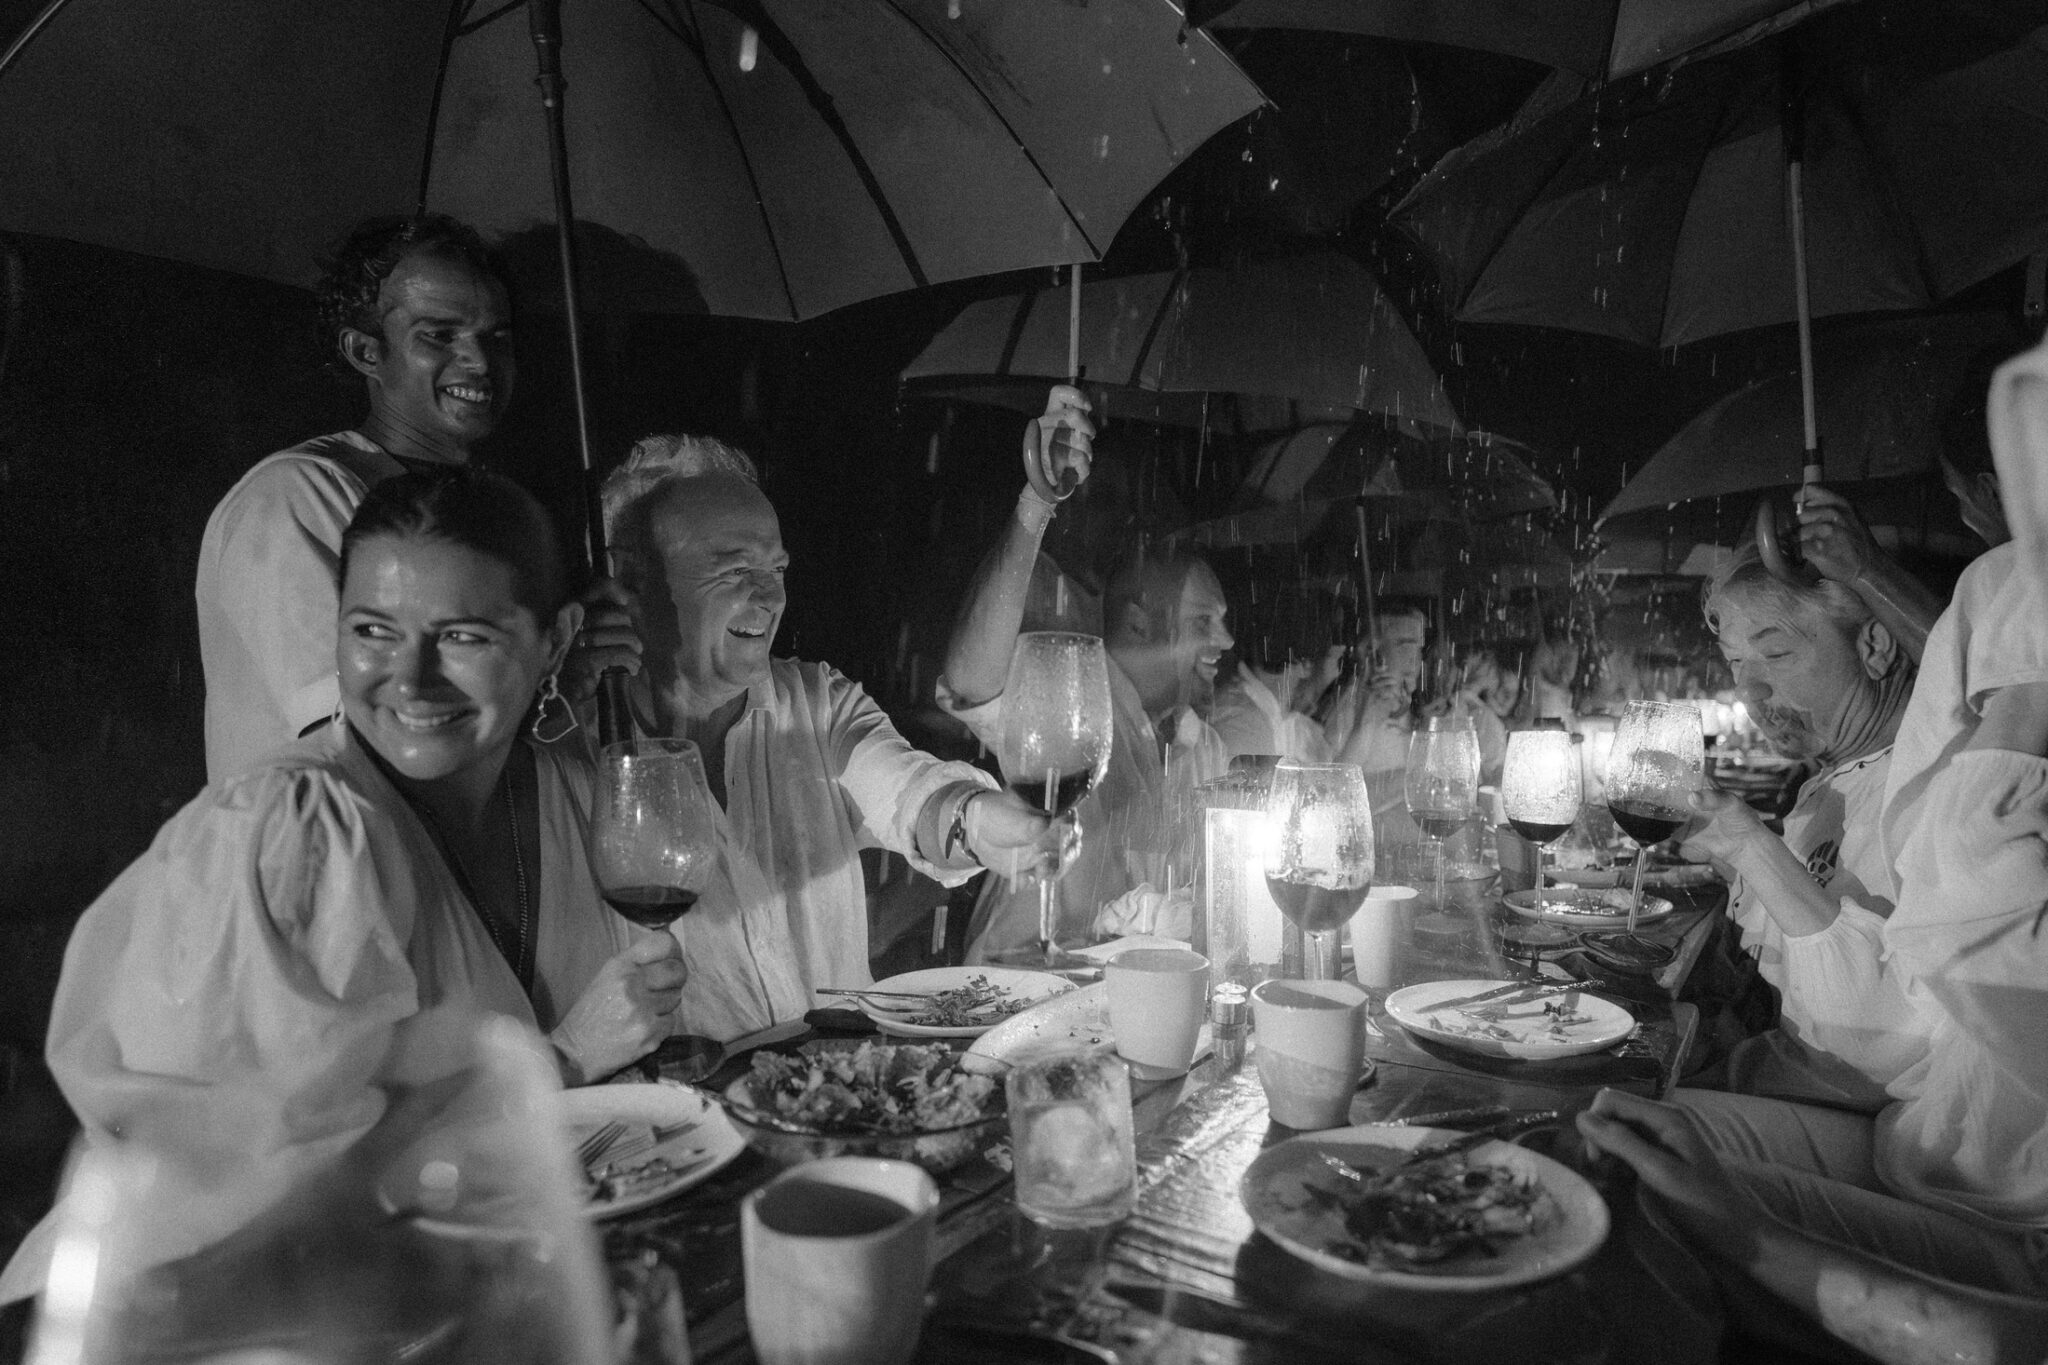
[960, 1002]
[671, 1137]
[1535, 1023]
[1583, 907]
[1349, 1202]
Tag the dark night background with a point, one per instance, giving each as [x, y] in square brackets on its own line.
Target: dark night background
[136, 391]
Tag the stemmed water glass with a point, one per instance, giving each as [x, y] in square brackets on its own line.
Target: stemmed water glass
[653, 845]
[1319, 857]
[1056, 736]
[1541, 787]
[1658, 757]
[1443, 782]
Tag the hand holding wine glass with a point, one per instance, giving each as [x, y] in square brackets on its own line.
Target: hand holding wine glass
[1443, 782]
[653, 846]
[1541, 787]
[1319, 862]
[1658, 758]
[1057, 729]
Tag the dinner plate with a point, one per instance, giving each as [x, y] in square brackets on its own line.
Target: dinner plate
[1584, 908]
[1078, 1019]
[1528, 1031]
[702, 1143]
[1021, 985]
[1623, 874]
[1570, 1218]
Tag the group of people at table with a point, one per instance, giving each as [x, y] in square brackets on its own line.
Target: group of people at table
[395, 649]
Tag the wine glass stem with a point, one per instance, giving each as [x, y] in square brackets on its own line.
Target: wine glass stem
[1635, 899]
[1441, 907]
[1322, 951]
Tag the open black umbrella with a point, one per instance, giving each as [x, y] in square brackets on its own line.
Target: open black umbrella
[753, 158]
[1314, 334]
[1597, 39]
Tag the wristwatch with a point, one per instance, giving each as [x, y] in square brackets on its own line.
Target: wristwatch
[956, 833]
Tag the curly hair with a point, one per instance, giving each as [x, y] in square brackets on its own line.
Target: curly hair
[352, 278]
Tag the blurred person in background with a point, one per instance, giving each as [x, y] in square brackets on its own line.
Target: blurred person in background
[1286, 655]
[1369, 718]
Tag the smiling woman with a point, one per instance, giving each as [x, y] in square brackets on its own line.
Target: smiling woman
[240, 1000]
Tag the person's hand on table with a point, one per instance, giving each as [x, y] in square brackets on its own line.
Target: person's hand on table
[1833, 538]
[1661, 1143]
[1058, 446]
[607, 640]
[1016, 842]
[625, 1012]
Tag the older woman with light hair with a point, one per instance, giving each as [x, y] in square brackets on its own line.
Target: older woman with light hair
[806, 769]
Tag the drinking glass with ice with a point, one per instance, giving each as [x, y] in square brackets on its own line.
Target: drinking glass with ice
[1073, 1153]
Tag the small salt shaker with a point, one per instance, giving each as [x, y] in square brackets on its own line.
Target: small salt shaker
[1230, 1023]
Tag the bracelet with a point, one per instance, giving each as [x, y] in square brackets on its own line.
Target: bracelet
[1033, 511]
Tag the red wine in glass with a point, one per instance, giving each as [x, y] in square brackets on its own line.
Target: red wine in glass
[1319, 903]
[650, 907]
[1646, 822]
[1055, 793]
[1440, 824]
[1537, 831]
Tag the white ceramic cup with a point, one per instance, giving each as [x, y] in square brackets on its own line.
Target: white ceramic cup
[837, 1253]
[1310, 1046]
[1379, 931]
[1158, 998]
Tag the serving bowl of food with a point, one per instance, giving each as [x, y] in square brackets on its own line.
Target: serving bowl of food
[906, 1101]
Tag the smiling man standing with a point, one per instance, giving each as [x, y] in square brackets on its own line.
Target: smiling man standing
[418, 309]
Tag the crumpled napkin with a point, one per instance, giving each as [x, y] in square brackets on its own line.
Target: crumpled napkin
[1144, 909]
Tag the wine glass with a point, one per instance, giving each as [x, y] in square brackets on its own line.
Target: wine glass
[1319, 858]
[1541, 788]
[652, 847]
[1658, 757]
[1056, 736]
[1443, 782]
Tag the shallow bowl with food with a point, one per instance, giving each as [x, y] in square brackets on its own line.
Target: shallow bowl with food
[778, 1116]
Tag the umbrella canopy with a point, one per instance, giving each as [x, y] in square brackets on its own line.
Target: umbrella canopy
[1882, 392]
[1314, 330]
[1598, 39]
[752, 158]
[1654, 210]
[1305, 486]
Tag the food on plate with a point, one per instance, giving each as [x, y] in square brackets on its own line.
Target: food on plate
[616, 1180]
[978, 1002]
[1514, 1022]
[1399, 1214]
[873, 1088]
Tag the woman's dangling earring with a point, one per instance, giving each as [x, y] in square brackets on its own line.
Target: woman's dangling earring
[554, 719]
